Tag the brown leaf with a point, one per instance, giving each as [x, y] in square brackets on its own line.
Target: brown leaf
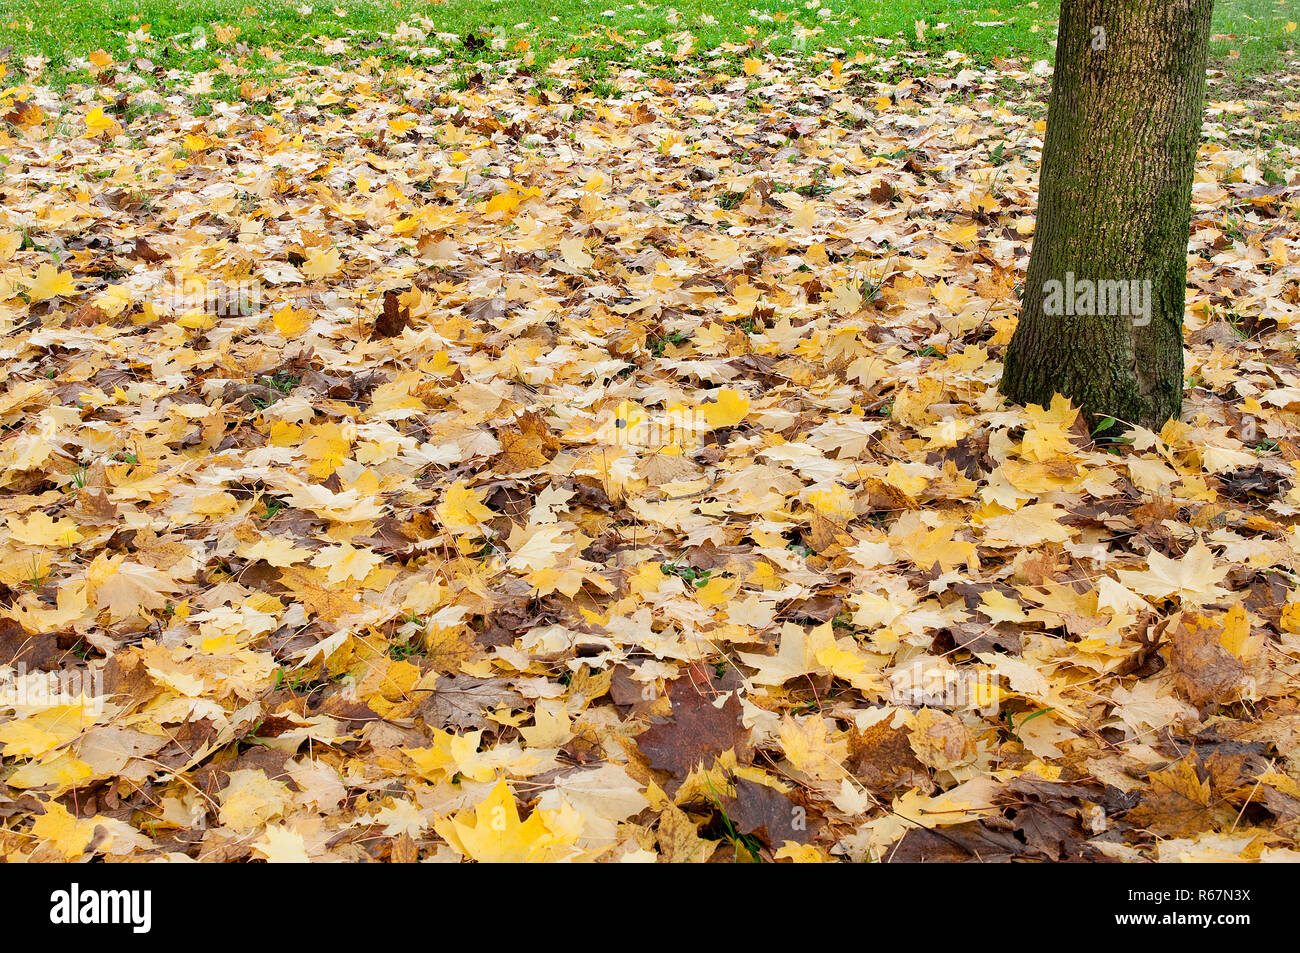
[940, 740]
[93, 507]
[679, 838]
[404, 850]
[25, 114]
[1205, 672]
[463, 702]
[142, 251]
[527, 446]
[1179, 802]
[393, 320]
[882, 758]
[696, 732]
[769, 815]
[20, 647]
[958, 843]
[88, 315]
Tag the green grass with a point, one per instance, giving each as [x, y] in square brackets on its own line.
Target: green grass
[66, 30]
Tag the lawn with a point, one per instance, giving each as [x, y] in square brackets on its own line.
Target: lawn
[1251, 35]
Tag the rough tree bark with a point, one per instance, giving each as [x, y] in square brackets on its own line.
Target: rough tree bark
[1123, 126]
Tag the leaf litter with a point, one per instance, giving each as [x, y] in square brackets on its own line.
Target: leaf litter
[413, 470]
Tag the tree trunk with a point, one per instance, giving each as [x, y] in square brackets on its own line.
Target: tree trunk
[1114, 205]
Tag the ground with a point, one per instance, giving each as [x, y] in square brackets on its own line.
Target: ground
[421, 450]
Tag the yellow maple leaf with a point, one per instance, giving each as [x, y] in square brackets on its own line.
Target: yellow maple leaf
[648, 577]
[810, 748]
[1028, 526]
[330, 602]
[251, 799]
[798, 853]
[50, 283]
[281, 844]
[59, 772]
[502, 202]
[124, 588]
[493, 832]
[322, 263]
[1193, 578]
[484, 765]
[62, 830]
[538, 547]
[10, 242]
[925, 547]
[958, 234]
[39, 529]
[285, 434]
[327, 448]
[1236, 637]
[952, 297]
[575, 254]
[214, 504]
[843, 659]
[835, 503]
[436, 762]
[345, 562]
[43, 731]
[462, 509]
[715, 592]
[999, 608]
[729, 409]
[291, 322]
[72, 602]
[1047, 434]
[97, 123]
